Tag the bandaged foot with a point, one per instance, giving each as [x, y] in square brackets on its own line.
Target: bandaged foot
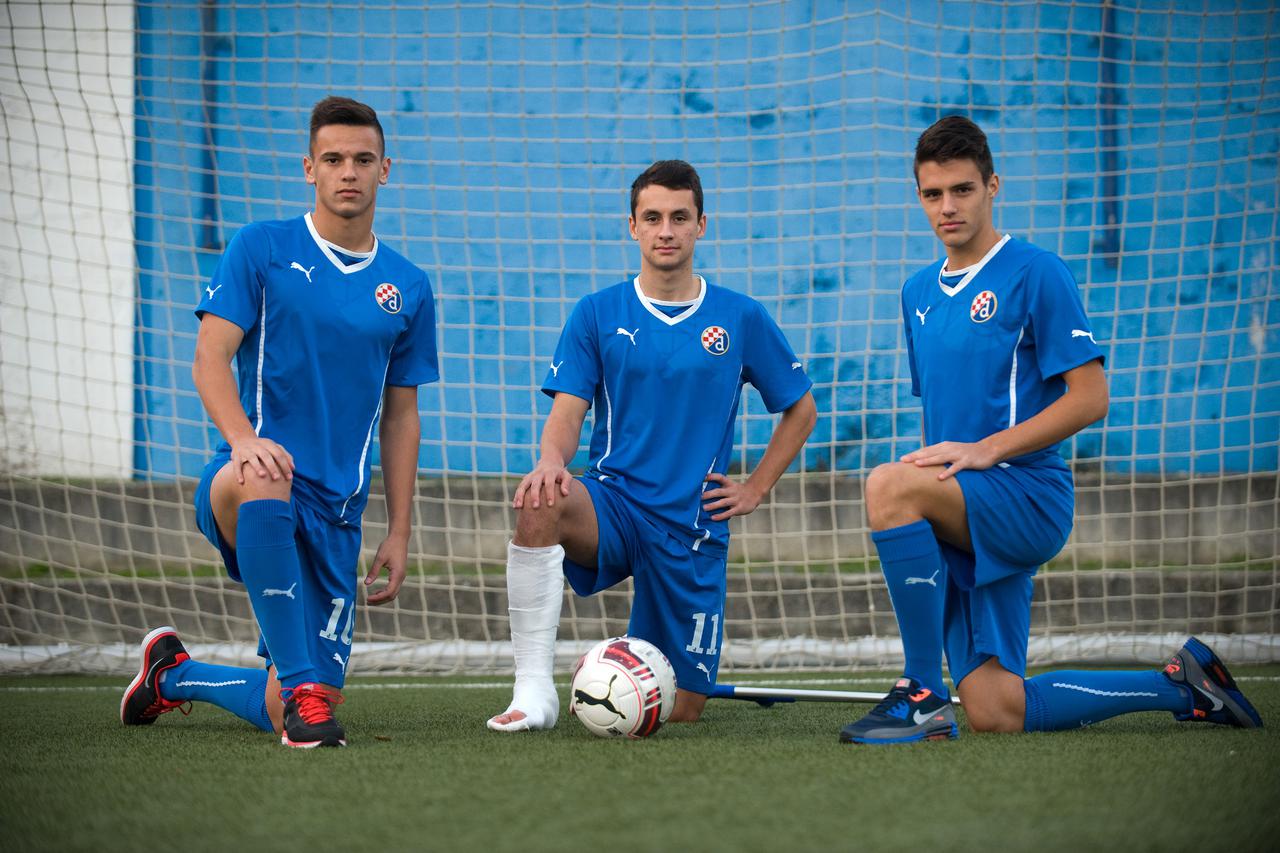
[535, 589]
[534, 705]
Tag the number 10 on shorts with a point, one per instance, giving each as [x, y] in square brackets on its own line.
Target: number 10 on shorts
[699, 626]
[330, 631]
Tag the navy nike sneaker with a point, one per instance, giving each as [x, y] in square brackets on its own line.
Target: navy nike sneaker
[1215, 697]
[910, 712]
[142, 703]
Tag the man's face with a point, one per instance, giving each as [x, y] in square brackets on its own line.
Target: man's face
[666, 225]
[346, 166]
[956, 200]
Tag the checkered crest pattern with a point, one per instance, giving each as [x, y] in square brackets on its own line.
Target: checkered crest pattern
[388, 297]
[983, 307]
[715, 340]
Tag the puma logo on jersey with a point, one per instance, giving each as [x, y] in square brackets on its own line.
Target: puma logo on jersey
[555, 368]
[795, 365]
[212, 290]
[300, 268]
[702, 666]
[921, 314]
[929, 580]
[1081, 333]
[340, 661]
[631, 335]
[288, 592]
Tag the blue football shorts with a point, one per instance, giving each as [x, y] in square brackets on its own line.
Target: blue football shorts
[679, 593]
[328, 554]
[1019, 518]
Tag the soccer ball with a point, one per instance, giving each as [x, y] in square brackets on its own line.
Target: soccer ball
[623, 687]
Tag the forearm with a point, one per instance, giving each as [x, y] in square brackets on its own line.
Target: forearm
[1085, 402]
[788, 437]
[559, 441]
[400, 436]
[221, 398]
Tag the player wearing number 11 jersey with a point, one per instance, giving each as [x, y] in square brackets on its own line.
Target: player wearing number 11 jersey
[662, 359]
[331, 333]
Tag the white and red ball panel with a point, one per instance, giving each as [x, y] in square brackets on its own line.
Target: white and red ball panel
[623, 687]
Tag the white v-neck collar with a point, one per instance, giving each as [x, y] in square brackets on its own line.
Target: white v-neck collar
[651, 305]
[328, 249]
[969, 271]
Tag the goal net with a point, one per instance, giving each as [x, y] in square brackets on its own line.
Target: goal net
[1138, 139]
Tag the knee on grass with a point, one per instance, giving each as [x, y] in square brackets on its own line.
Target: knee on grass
[987, 715]
[688, 707]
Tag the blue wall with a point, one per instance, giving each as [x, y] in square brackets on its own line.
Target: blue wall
[1148, 161]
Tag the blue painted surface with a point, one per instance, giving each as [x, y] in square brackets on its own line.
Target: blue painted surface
[516, 131]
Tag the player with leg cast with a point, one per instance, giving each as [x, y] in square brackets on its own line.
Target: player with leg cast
[663, 359]
[1004, 360]
[331, 333]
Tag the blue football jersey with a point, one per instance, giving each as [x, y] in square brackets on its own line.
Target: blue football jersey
[665, 390]
[988, 345]
[323, 338]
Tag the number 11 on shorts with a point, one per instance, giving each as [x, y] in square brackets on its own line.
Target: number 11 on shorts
[699, 625]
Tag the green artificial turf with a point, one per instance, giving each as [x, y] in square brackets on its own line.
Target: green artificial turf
[423, 773]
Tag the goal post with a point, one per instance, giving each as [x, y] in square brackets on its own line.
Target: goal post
[1136, 140]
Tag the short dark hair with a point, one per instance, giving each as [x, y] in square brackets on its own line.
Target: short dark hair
[954, 138]
[336, 110]
[672, 174]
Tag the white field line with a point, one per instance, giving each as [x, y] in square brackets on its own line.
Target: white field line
[495, 685]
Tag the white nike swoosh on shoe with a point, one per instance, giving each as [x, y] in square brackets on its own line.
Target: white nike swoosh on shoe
[152, 671]
[919, 717]
[1217, 703]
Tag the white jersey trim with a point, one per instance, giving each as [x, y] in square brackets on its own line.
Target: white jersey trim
[328, 250]
[608, 430]
[651, 305]
[368, 439]
[706, 531]
[1013, 382]
[970, 271]
[262, 355]
[697, 518]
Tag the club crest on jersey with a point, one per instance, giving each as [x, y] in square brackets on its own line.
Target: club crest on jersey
[983, 307]
[715, 340]
[389, 299]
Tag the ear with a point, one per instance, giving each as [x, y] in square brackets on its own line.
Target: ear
[631, 227]
[993, 186]
[702, 226]
[386, 171]
[308, 169]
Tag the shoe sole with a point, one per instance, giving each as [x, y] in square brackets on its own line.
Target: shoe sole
[284, 741]
[145, 650]
[1206, 660]
[952, 732]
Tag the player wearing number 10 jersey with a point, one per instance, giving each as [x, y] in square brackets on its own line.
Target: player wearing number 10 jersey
[331, 332]
[662, 359]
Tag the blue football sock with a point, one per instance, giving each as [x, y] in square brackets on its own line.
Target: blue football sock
[916, 575]
[271, 572]
[240, 690]
[1072, 698]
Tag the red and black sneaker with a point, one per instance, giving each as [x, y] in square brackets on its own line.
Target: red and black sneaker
[142, 702]
[308, 717]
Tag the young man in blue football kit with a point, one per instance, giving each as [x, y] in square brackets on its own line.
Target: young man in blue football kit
[663, 359]
[331, 332]
[1003, 357]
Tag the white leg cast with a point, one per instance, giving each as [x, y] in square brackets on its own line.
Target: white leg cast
[535, 590]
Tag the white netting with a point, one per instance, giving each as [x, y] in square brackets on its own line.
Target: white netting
[1139, 140]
